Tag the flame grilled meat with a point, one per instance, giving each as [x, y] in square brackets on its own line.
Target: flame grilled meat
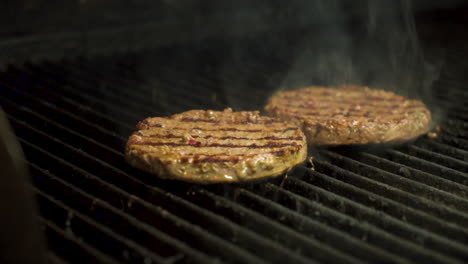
[208, 146]
[348, 115]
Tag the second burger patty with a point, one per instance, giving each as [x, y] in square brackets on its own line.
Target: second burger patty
[351, 114]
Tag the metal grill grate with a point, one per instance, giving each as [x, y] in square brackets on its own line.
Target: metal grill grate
[394, 205]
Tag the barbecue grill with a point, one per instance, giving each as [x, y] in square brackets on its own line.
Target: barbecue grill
[404, 203]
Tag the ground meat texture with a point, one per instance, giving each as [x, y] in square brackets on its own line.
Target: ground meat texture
[206, 146]
[349, 114]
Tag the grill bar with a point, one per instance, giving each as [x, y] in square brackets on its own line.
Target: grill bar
[356, 202]
[410, 173]
[245, 238]
[362, 230]
[426, 166]
[443, 148]
[65, 134]
[261, 224]
[93, 233]
[66, 117]
[393, 193]
[401, 183]
[375, 203]
[67, 246]
[304, 225]
[438, 158]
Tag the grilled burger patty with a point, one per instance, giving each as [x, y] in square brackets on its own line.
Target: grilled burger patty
[216, 146]
[351, 114]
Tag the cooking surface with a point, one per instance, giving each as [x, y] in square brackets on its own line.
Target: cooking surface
[406, 203]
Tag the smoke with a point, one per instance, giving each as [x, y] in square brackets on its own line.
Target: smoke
[371, 43]
[379, 48]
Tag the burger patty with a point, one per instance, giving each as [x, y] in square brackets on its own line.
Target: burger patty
[216, 146]
[350, 114]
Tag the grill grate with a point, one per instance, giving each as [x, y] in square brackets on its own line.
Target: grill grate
[399, 204]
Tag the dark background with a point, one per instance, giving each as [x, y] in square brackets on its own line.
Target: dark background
[32, 29]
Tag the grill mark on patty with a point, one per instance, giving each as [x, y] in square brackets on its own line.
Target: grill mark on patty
[310, 104]
[217, 121]
[228, 155]
[221, 138]
[215, 145]
[227, 129]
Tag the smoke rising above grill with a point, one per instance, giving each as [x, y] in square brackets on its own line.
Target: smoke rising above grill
[330, 43]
